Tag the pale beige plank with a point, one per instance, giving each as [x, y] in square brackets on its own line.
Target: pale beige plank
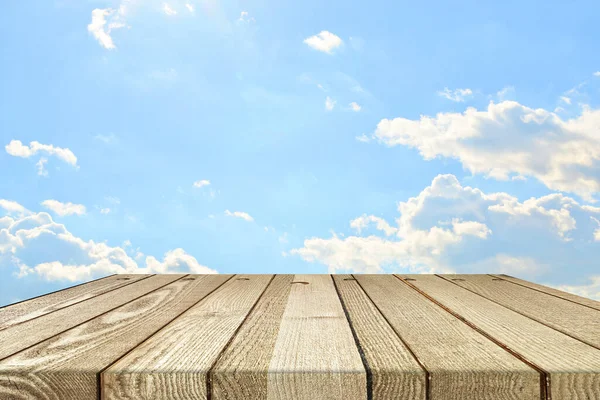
[315, 354]
[26, 334]
[174, 362]
[65, 367]
[395, 373]
[242, 369]
[570, 318]
[462, 363]
[38, 306]
[554, 292]
[574, 367]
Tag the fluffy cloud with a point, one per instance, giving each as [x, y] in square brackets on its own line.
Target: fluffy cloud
[190, 7]
[12, 207]
[37, 245]
[239, 214]
[453, 228]
[329, 103]
[324, 41]
[17, 149]
[457, 95]
[104, 21]
[64, 209]
[509, 138]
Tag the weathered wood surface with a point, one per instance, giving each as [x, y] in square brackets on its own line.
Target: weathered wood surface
[571, 366]
[224, 337]
[569, 318]
[462, 363]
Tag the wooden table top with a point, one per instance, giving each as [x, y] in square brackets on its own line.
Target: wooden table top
[223, 337]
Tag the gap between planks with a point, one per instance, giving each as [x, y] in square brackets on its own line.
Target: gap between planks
[523, 314]
[544, 376]
[100, 384]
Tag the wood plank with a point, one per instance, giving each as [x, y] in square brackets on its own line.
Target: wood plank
[174, 362]
[279, 352]
[395, 373]
[573, 366]
[39, 329]
[462, 363]
[25, 310]
[66, 366]
[554, 292]
[570, 318]
[242, 369]
[315, 355]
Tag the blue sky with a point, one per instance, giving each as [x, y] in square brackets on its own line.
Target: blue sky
[298, 137]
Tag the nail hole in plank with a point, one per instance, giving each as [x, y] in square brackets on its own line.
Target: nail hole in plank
[457, 279]
[123, 279]
[188, 279]
[409, 279]
[302, 282]
[243, 279]
[349, 279]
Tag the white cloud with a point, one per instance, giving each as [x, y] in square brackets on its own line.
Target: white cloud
[99, 29]
[201, 183]
[168, 10]
[324, 41]
[363, 138]
[64, 209]
[239, 214]
[329, 103]
[40, 165]
[17, 149]
[597, 73]
[565, 99]
[355, 106]
[37, 245]
[509, 138]
[105, 210]
[363, 222]
[504, 92]
[450, 227]
[457, 95]
[12, 207]
[245, 17]
[190, 8]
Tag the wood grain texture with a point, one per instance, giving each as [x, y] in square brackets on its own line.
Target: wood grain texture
[395, 373]
[174, 362]
[554, 292]
[48, 325]
[573, 366]
[570, 318]
[315, 355]
[462, 363]
[20, 312]
[65, 367]
[242, 369]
